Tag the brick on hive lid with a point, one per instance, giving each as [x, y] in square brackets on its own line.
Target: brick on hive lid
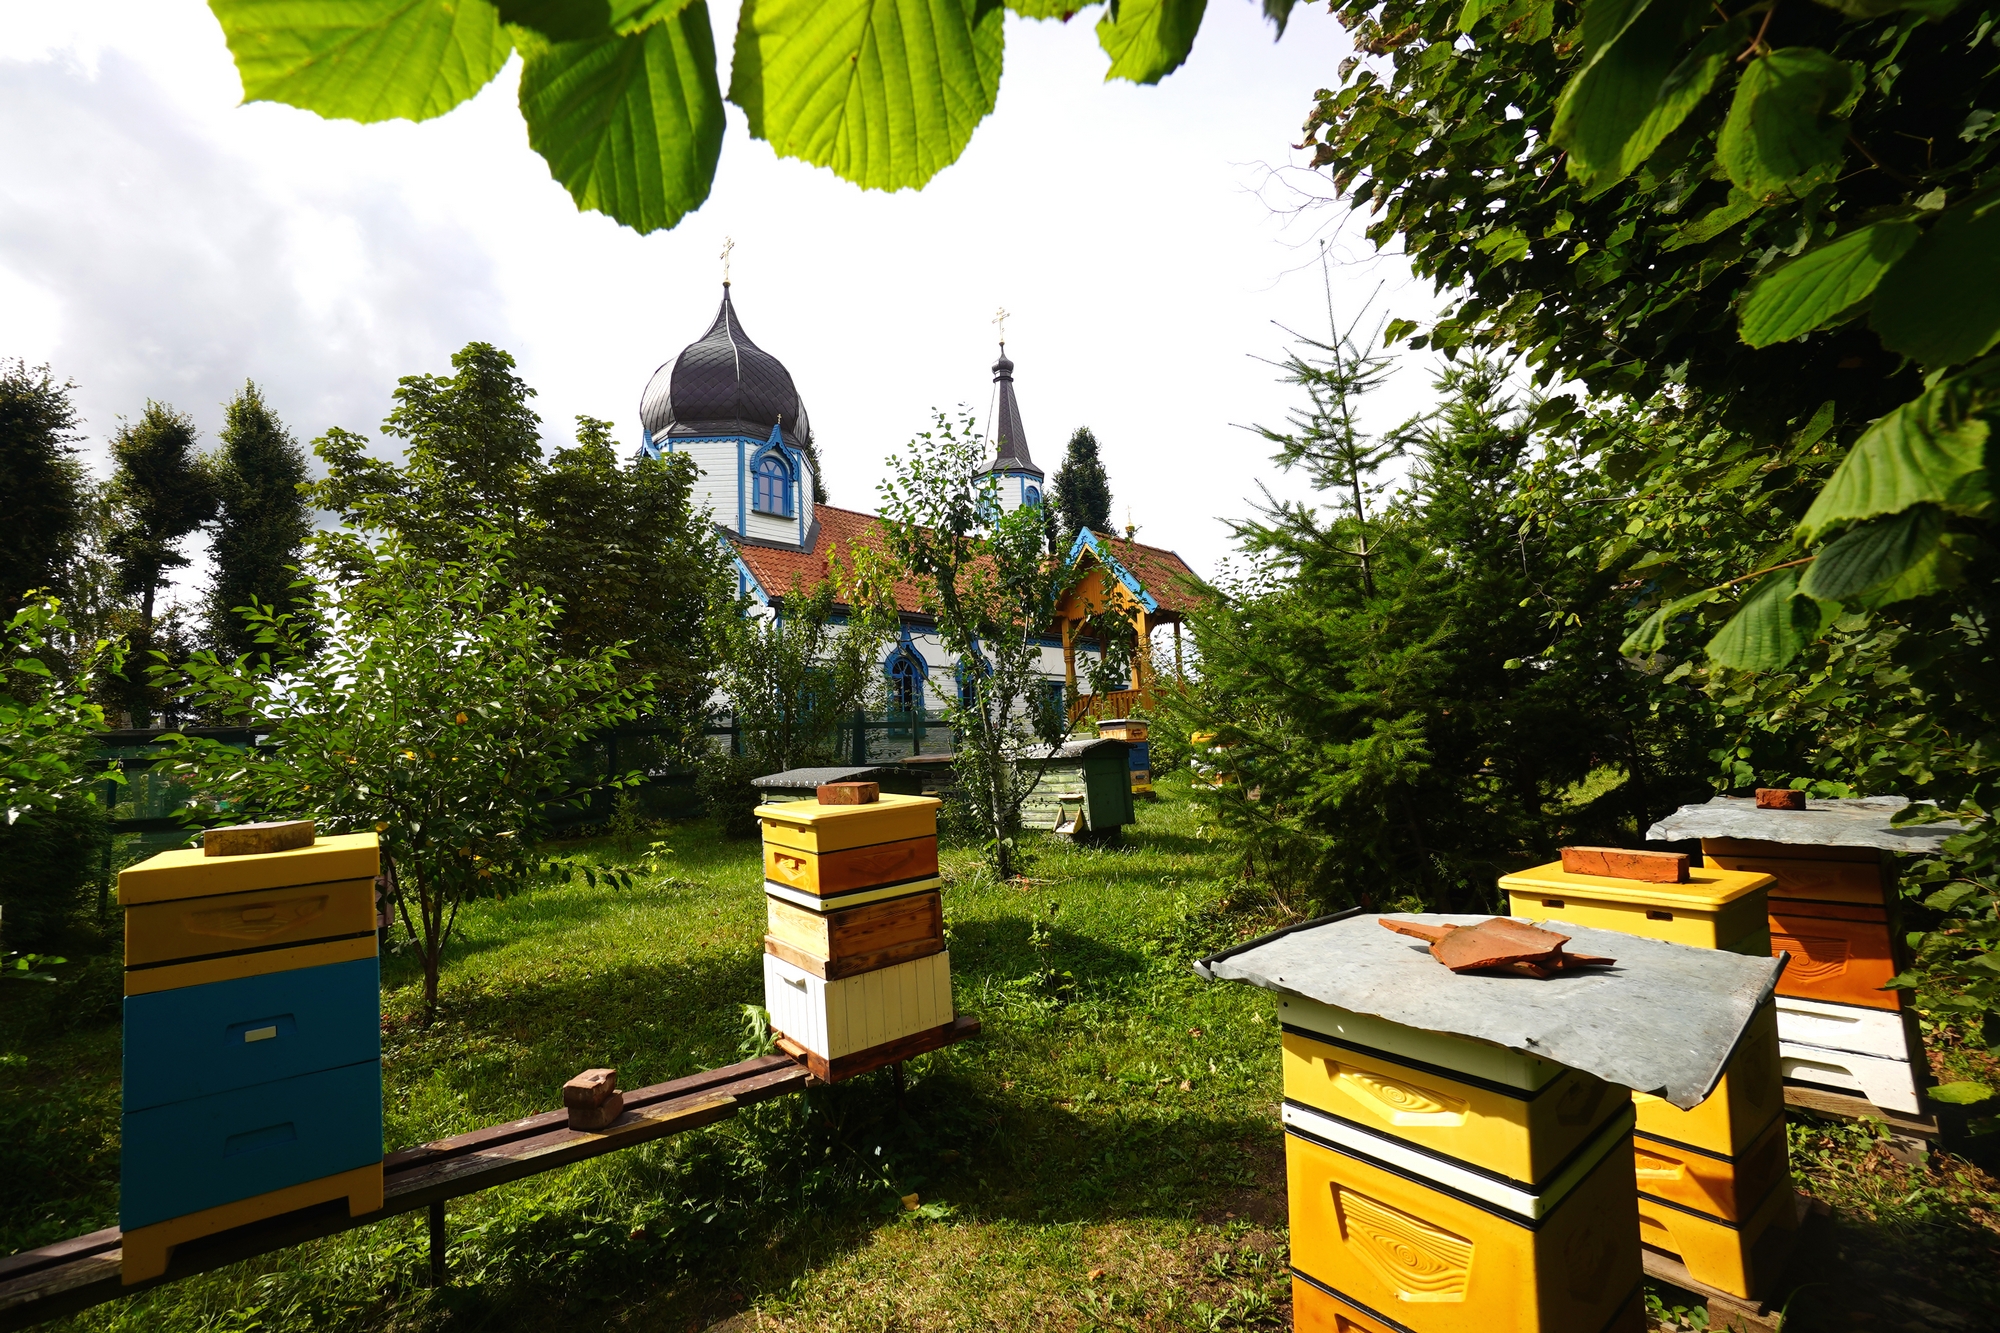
[849, 793]
[592, 1099]
[1627, 863]
[282, 835]
[1780, 798]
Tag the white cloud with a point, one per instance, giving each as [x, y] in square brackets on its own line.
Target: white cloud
[160, 241]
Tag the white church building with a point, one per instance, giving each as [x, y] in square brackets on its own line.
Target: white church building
[733, 408]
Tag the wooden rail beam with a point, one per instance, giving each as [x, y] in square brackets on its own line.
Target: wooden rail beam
[74, 1274]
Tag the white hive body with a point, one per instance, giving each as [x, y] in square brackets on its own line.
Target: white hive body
[837, 1018]
[1887, 1083]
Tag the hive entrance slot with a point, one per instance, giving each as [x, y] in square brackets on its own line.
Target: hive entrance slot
[1659, 916]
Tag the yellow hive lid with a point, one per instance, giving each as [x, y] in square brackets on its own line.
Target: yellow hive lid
[189, 873]
[1707, 887]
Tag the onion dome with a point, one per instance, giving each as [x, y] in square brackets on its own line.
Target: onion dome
[1010, 439]
[724, 384]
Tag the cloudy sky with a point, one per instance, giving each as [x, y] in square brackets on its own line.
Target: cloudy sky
[157, 239]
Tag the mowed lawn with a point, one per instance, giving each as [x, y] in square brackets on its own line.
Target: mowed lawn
[1105, 1155]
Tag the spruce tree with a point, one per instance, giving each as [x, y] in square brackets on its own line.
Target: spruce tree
[161, 493]
[1082, 491]
[42, 485]
[261, 520]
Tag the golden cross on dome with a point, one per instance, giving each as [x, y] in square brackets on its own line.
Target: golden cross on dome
[1000, 319]
[728, 244]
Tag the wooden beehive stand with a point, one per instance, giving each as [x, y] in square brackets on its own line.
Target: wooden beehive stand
[1847, 1047]
[856, 974]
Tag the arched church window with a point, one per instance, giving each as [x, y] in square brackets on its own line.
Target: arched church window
[906, 680]
[772, 493]
[1032, 495]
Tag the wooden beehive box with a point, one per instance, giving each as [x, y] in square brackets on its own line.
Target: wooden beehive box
[252, 1078]
[1085, 789]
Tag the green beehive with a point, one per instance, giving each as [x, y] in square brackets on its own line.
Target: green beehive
[1085, 788]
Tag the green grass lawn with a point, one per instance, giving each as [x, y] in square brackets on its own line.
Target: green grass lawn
[1105, 1155]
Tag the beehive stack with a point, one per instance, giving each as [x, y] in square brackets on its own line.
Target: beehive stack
[1132, 731]
[1458, 1144]
[1714, 1182]
[1409, 1152]
[1833, 909]
[252, 1042]
[856, 975]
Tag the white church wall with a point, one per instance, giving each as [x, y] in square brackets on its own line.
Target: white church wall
[718, 486]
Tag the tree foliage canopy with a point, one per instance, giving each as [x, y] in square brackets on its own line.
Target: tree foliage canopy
[1766, 212]
[261, 522]
[623, 100]
[438, 712]
[42, 478]
[620, 545]
[1082, 489]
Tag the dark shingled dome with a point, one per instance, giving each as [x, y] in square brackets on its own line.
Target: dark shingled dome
[724, 384]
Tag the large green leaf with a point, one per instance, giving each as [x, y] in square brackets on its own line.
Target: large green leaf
[585, 20]
[1785, 122]
[1651, 636]
[1770, 627]
[1962, 1093]
[1148, 39]
[884, 92]
[632, 125]
[1931, 450]
[1797, 297]
[364, 60]
[1941, 305]
[1875, 554]
[1636, 89]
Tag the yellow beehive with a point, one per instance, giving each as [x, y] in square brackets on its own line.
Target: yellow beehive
[1715, 909]
[1523, 1125]
[808, 826]
[1426, 1245]
[1750, 1096]
[1743, 1258]
[1729, 1189]
[1315, 1309]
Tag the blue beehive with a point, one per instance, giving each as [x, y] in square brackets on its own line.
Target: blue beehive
[253, 1072]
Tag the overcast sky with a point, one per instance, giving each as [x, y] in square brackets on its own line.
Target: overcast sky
[159, 240]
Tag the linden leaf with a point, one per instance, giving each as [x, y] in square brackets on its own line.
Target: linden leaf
[1799, 296]
[1941, 304]
[632, 126]
[886, 93]
[1931, 450]
[364, 60]
[1148, 39]
[1787, 119]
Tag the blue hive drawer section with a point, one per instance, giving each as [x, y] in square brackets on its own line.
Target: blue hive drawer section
[200, 1040]
[1141, 756]
[187, 1156]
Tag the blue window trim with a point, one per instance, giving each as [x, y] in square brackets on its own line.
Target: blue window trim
[774, 453]
[919, 670]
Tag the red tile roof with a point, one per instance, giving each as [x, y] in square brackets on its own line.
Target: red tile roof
[778, 570]
[1160, 571]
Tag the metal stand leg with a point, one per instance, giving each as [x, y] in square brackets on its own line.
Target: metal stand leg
[438, 1275]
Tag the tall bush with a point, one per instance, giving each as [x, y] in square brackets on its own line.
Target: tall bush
[439, 714]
